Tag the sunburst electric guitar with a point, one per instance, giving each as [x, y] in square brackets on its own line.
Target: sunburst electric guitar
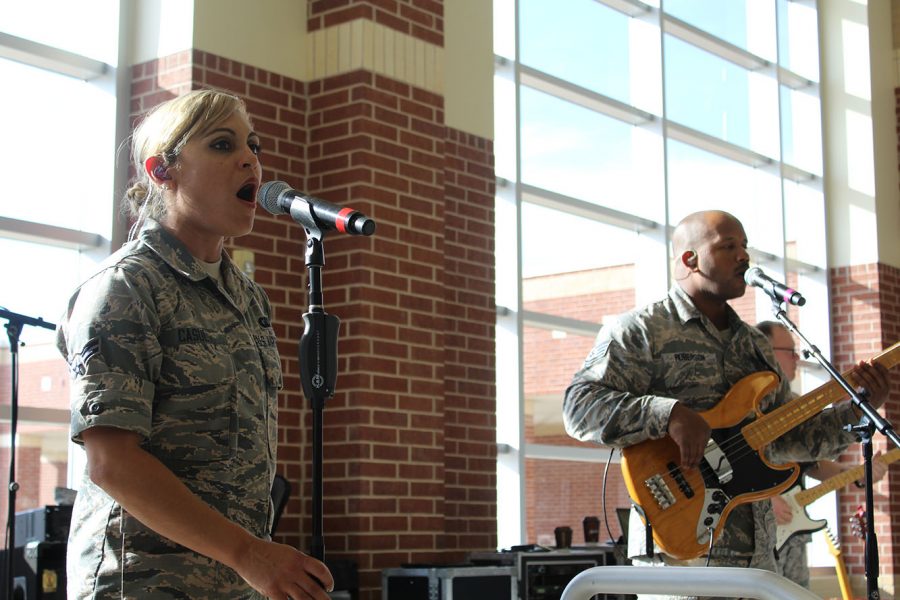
[686, 507]
[797, 499]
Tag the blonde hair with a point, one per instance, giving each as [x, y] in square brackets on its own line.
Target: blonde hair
[163, 132]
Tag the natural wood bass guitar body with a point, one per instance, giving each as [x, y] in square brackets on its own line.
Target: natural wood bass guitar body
[686, 507]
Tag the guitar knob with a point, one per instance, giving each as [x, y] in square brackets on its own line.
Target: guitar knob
[718, 496]
[714, 509]
[708, 521]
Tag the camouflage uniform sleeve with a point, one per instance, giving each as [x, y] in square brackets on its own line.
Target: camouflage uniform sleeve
[608, 400]
[108, 338]
[820, 438]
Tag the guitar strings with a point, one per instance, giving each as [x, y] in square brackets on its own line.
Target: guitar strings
[775, 424]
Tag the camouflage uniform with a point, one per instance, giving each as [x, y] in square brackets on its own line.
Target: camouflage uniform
[156, 346]
[792, 560]
[668, 352]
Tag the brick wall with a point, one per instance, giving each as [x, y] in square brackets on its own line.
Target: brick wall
[420, 19]
[866, 318]
[469, 353]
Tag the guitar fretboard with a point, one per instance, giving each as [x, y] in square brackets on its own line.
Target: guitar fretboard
[775, 424]
[838, 481]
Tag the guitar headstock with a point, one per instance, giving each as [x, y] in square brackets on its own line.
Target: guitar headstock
[858, 523]
[834, 546]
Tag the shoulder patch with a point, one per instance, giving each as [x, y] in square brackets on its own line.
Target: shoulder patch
[78, 364]
[597, 352]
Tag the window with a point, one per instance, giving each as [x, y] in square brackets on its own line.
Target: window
[56, 212]
[614, 120]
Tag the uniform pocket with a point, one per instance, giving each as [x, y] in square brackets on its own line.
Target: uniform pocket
[692, 374]
[194, 416]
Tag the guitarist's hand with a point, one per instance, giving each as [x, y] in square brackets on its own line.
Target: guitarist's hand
[875, 378]
[690, 432]
[879, 470]
[783, 512]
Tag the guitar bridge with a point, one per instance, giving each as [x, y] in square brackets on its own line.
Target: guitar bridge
[660, 491]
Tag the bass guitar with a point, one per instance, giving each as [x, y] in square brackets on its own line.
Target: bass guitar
[687, 509]
[798, 498]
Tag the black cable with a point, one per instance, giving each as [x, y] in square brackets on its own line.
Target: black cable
[616, 549]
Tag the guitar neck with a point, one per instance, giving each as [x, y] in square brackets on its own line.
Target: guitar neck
[840, 568]
[838, 481]
[775, 424]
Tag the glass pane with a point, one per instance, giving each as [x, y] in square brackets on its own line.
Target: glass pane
[88, 27]
[804, 220]
[699, 180]
[505, 28]
[563, 493]
[747, 25]
[41, 465]
[51, 140]
[504, 125]
[802, 130]
[549, 249]
[568, 39]
[721, 99]
[580, 153]
[38, 281]
[798, 38]
[551, 358]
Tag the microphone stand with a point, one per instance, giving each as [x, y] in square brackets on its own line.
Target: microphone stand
[318, 360]
[869, 422]
[14, 325]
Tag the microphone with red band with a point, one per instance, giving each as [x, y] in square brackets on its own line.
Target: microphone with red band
[278, 198]
[775, 290]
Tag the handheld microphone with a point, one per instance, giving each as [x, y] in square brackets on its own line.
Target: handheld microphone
[278, 198]
[777, 291]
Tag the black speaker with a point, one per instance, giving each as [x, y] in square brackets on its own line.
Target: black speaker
[460, 582]
[46, 524]
[39, 571]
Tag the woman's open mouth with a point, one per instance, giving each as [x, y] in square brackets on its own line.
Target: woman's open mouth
[247, 193]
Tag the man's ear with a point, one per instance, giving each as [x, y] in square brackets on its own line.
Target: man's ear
[689, 259]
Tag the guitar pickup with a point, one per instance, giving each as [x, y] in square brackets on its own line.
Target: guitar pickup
[660, 491]
[679, 478]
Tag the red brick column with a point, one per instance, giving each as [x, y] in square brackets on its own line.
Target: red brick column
[378, 143]
[422, 19]
[469, 351]
[866, 318]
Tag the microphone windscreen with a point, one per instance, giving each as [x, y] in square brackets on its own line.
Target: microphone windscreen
[751, 275]
[268, 194]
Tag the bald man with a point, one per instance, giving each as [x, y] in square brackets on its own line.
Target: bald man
[653, 370]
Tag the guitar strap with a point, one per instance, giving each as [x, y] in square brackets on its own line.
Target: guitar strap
[648, 531]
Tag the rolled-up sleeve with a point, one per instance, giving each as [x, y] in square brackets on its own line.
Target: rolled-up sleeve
[108, 337]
